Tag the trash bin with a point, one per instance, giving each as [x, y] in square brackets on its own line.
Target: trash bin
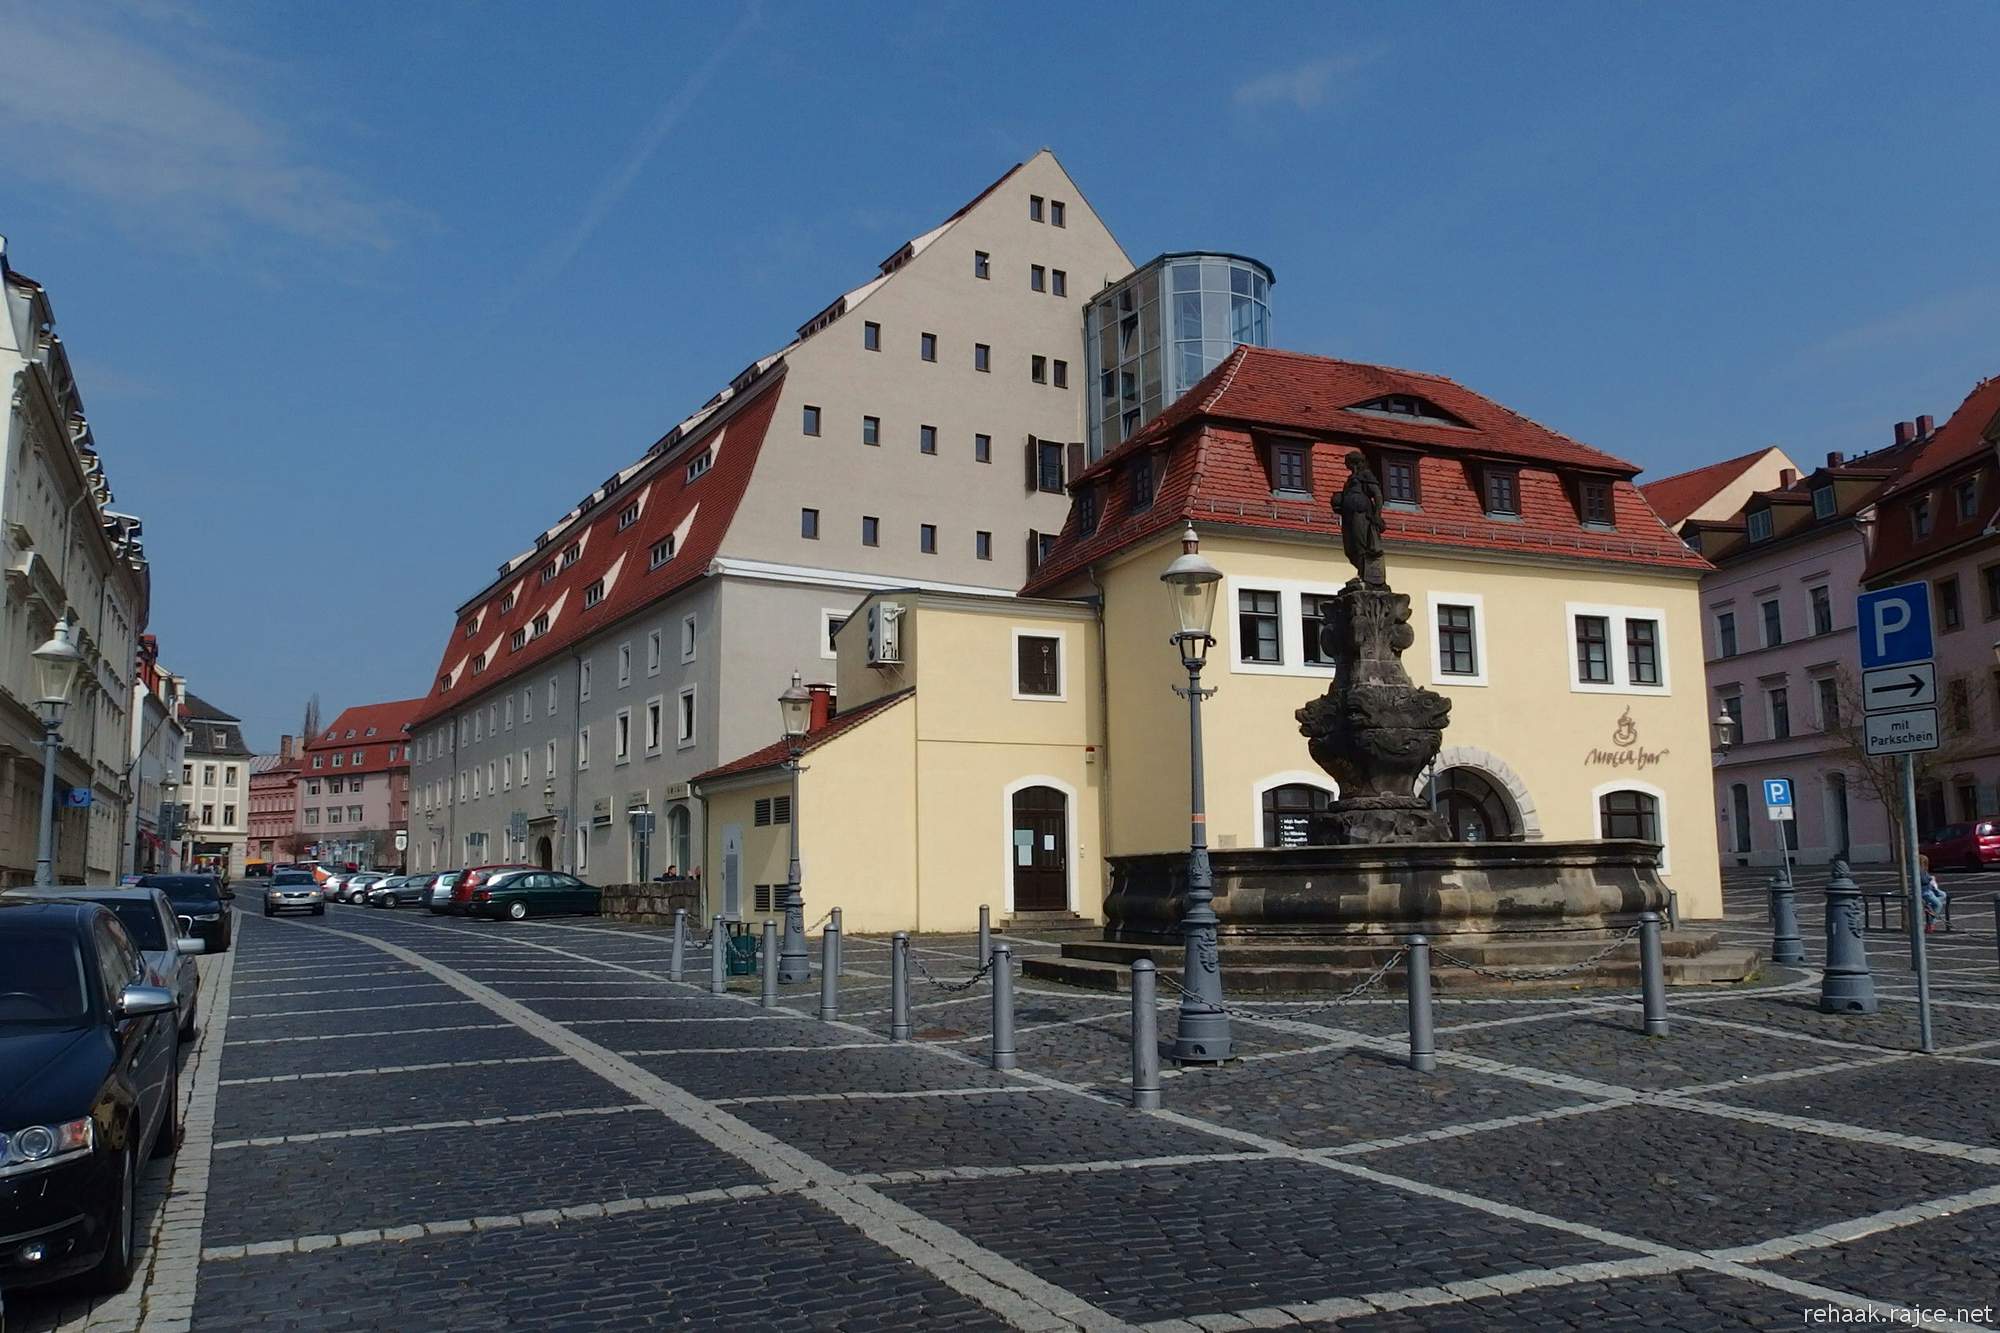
[742, 950]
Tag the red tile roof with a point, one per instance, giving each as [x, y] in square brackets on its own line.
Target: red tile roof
[1674, 498]
[374, 729]
[1209, 468]
[695, 513]
[776, 752]
[1963, 445]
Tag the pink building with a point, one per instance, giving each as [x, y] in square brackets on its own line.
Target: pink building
[1781, 650]
[1940, 524]
[354, 785]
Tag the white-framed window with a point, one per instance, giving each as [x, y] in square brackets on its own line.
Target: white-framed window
[583, 680]
[582, 848]
[492, 772]
[624, 665]
[549, 761]
[621, 737]
[830, 621]
[593, 594]
[1040, 669]
[684, 718]
[663, 551]
[583, 747]
[1275, 621]
[688, 637]
[507, 773]
[478, 732]
[656, 723]
[492, 725]
[1458, 638]
[653, 653]
[1616, 649]
[507, 717]
[552, 696]
[1628, 808]
[628, 516]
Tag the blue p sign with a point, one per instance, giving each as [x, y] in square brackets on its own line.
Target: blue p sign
[1895, 625]
[1777, 791]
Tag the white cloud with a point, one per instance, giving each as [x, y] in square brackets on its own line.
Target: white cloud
[169, 139]
[1301, 87]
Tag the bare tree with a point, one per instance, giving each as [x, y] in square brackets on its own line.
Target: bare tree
[310, 728]
[1880, 777]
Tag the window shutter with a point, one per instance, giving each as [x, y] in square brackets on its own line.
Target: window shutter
[1034, 550]
[1033, 453]
[1074, 461]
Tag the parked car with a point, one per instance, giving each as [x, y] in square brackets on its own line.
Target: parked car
[201, 897]
[88, 1084]
[357, 886]
[166, 941]
[294, 891]
[473, 877]
[441, 886]
[1969, 846]
[520, 894]
[401, 891]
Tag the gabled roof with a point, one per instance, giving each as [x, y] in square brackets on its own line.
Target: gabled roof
[1209, 465]
[1857, 484]
[695, 514]
[1674, 498]
[770, 756]
[377, 730]
[193, 706]
[1964, 443]
[1966, 434]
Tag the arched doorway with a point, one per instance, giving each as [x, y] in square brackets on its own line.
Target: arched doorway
[545, 853]
[1039, 849]
[1289, 812]
[1474, 808]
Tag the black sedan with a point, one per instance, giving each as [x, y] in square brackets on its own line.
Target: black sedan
[519, 894]
[201, 897]
[88, 1086]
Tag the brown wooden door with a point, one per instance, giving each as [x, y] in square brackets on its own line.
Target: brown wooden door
[1040, 850]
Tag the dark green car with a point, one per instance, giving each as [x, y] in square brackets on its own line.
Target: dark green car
[519, 894]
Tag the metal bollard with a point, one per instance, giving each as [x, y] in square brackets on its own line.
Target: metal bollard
[839, 955]
[1145, 1036]
[718, 958]
[1652, 975]
[985, 948]
[1003, 1008]
[677, 966]
[1673, 909]
[899, 986]
[1417, 983]
[1846, 986]
[768, 965]
[829, 971]
[1786, 946]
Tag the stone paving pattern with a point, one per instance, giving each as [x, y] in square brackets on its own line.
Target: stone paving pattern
[411, 1122]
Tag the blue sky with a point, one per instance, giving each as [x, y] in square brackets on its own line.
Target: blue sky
[364, 295]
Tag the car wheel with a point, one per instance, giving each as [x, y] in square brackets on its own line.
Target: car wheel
[517, 910]
[270, 911]
[1974, 864]
[114, 1271]
[168, 1141]
[320, 910]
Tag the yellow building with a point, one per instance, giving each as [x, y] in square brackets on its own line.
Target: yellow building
[970, 761]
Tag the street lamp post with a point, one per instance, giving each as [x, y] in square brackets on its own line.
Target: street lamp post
[57, 663]
[1203, 1036]
[1724, 728]
[795, 706]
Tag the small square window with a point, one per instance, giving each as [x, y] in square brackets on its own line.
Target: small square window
[1596, 503]
[871, 530]
[1757, 525]
[1034, 208]
[927, 346]
[1824, 502]
[1038, 665]
[982, 545]
[927, 439]
[1062, 374]
[982, 448]
[1288, 469]
[1055, 212]
[1142, 483]
[663, 551]
[809, 524]
[1058, 283]
[871, 430]
[927, 538]
[982, 357]
[871, 337]
[1503, 491]
[811, 423]
[1038, 369]
[593, 594]
[1399, 480]
[1037, 277]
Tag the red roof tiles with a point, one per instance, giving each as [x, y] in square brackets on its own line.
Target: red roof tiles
[374, 729]
[1964, 445]
[777, 751]
[1674, 498]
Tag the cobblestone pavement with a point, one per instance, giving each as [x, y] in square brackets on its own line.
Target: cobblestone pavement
[400, 1121]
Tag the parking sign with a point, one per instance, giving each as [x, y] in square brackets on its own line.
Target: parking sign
[1778, 798]
[1895, 625]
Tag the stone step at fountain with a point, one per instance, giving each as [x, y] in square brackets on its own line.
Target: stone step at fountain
[1048, 925]
[1264, 968]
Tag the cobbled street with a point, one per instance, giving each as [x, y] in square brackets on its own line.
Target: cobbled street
[402, 1121]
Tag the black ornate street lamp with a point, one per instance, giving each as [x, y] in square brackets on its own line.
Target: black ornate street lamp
[57, 663]
[1203, 1036]
[1724, 728]
[795, 706]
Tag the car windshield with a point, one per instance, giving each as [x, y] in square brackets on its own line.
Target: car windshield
[41, 979]
[291, 877]
[141, 920]
[185, 888]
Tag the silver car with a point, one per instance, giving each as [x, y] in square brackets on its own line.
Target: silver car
[441, 889]
[294, 891]
[167, 941]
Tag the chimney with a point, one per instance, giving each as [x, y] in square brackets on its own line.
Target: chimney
[1835, 458]
[1905, 431]
[822, 707]
[284, 749]
[1787, 478]
[1923, 428]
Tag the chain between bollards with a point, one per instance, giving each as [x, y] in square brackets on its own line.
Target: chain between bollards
[1002, 963]
[953, 987]
[1417, 992]
[829, 969]
[899, 986]
[677, 965]
[718, 958]
[768, 970]
[1145, 1036]
[1652, 975]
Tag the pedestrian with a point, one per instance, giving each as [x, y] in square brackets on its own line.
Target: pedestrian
[1933, 895]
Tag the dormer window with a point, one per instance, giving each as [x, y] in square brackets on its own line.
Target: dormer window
[1291, 468]
[593, 594]
[1142, 482]
[1086, 510]
[628, 516]
[1399, 480]
[571, 554]
[1502, 492]
[1966, 496]
[1757, 525]
[479, 664]
[1411, 406]
[507, 603]
[1823, 502]
[699, 464]
[517, 640]
[472, 627]
[1594, 503]
[549, 572]
[1920, 518]
[663, 551]
[541, 625]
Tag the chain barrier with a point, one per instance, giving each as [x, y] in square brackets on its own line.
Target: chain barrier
[954, 987]
[1537, 973]
[1367, 983]
[824, 918]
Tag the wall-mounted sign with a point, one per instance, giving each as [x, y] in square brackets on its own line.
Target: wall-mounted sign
[1625, 751]
[600, 810]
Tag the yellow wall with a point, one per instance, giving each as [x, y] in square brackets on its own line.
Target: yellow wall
[1528, 717]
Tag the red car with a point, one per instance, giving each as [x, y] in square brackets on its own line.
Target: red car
[1971, 846]
[461, 892]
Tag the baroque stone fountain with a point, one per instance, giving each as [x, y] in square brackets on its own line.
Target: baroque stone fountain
[1382, 864]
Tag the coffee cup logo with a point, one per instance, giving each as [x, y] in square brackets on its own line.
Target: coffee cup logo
[1626, 732]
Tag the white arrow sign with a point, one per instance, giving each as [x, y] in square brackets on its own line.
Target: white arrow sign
[1912, 686]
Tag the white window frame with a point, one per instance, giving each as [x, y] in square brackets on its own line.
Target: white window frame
[686, 709]
[1659, 796]
[690, 636]
[1291, 636]
[624, 665]
[1061, 636]
[653, 653]
[582, 748]
[552, 696]
[621, 731]
[549, 761]
[827, 615]
[507, 716]
[583, 680]
[1621, 665]
[1481, 642]
[656, 724]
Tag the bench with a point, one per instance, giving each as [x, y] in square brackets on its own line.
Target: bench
[1880, 900]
